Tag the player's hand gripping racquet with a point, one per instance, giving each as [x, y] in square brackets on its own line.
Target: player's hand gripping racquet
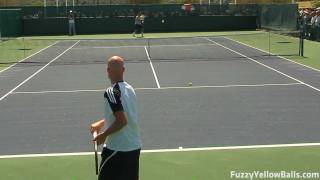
[95, 129]
[96, 158]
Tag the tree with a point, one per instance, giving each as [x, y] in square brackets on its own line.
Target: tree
[316, 3]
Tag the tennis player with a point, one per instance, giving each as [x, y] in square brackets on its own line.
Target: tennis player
[142, 17]
[121, 151]
[138, 23]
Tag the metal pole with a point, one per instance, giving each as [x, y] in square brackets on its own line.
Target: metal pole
[66, 6]
[73, 4]
[235, 1]
[24, 48]
[57, 8]
[148, 43]
[301, 43]
[209, 2]
[45, 8]
[220, 2]
[269, 44]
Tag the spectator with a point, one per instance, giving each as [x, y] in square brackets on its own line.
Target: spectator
[317, 24]
[306, 22]
[311, 25]
[72, 26]
[310, 21]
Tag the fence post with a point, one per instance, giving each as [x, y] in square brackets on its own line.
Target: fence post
[45, 8]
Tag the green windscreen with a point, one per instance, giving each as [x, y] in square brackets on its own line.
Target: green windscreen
[10, 22]
[279, 17]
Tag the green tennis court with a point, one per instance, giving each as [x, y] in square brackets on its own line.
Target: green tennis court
[14, 50]
[193, 165]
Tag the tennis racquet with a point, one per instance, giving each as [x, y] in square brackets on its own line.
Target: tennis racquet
[96, 158]
[95, 129]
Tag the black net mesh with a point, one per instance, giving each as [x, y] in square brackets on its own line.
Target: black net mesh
[141, 50]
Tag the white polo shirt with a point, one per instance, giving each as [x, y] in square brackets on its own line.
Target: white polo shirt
[121, 97]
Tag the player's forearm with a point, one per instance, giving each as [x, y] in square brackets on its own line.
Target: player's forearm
[119, 123]
[116, 126]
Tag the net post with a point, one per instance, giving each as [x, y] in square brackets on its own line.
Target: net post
[24, 47]
[269, 43]
[301, 44]
[148, 47]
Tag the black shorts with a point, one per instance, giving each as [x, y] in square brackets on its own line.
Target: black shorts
[138, 28]
[117, 165]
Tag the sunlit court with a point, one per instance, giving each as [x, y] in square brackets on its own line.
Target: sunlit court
[220, 90]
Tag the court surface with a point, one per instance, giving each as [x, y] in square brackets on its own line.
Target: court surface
[239, 96]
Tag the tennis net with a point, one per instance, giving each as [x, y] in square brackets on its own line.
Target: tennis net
[141, 50]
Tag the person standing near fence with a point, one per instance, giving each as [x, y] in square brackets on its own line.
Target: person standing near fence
[317, 25]
[137, 25]
[312, 34]
[72, 26]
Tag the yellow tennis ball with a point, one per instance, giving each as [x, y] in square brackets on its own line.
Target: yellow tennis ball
[190, 83]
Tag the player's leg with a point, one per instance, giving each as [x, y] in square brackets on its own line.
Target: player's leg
[138, 29]
[142, 30]
[74, 28]
[130, 165]
[110, 167]
[69, 29]
[134, 31]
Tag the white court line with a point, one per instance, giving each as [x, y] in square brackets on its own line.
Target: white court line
[29, 57]
[48, 92]
[154, 72]
[115, 47]
[168, 150]
[105, 47]
[284, 74]
[161, 88]
[34, 74]
[281, 57]
[206, 38]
